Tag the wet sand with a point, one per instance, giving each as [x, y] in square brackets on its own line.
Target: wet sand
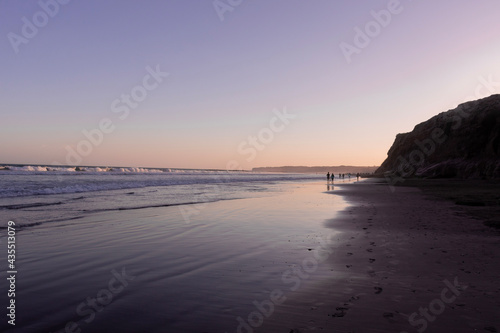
[301, 261]
[150, 270]
[405, 262]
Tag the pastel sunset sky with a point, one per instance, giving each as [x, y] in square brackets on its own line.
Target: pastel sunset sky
[200, 84]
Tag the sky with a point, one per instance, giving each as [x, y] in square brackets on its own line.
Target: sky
[234, 84]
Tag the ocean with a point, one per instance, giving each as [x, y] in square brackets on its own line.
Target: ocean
[34, 195]
[156, 250]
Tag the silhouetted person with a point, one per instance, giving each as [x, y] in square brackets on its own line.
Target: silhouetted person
[333, 177]
[357, 176]
[328, 177]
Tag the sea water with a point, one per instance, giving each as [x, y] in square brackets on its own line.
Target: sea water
[141, 250]
[33, 195]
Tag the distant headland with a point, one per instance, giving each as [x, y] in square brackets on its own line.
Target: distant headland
[319, 169]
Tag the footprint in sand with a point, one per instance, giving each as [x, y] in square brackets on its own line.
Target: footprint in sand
[349, 253]
[389, 316]
[378, 290]
[355, 298]
[341, 311]
[371, 260]
[369, 250]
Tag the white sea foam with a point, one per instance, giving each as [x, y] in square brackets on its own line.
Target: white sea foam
[63, 180]
[32, 197]
[30, 169]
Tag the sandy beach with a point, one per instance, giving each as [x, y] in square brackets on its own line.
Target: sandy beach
[354, 257]
[405, 262]
[151, 270]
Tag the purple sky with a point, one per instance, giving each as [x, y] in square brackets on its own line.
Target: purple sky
[88, 64]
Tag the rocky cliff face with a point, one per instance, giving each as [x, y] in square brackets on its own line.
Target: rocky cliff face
[463, 142]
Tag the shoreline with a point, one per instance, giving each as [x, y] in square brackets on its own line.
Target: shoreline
[185, 276]
[388, 255]
[406, 262]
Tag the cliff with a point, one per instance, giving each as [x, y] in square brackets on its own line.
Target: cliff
[463, 143]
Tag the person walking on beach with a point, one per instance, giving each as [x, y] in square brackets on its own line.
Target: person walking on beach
[333, 177]
[357, 176]
[328, 177]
